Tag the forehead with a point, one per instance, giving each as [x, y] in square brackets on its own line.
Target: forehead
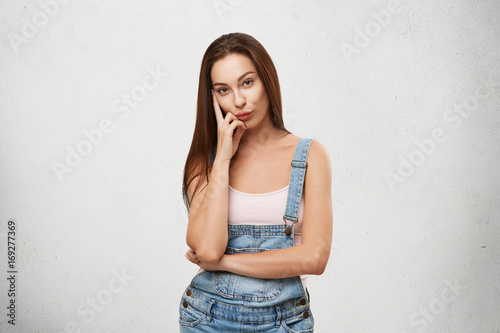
[231, 67]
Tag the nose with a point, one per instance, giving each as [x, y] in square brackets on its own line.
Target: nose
[239, 99]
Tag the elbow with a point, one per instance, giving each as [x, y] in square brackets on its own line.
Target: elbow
[317, 262]
[320, 267]
[209, 256]
[206, 253]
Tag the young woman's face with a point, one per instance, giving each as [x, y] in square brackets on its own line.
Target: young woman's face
[239, 89]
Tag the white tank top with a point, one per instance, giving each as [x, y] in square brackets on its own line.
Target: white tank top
[263, 209]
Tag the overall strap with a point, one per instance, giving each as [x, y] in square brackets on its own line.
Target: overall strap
[297, 176]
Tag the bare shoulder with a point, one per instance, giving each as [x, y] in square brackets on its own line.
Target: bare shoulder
[318, 163]
[318, 154]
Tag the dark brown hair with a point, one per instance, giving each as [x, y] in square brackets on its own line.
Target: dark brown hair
[204, 141]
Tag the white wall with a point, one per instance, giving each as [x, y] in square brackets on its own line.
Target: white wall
[420, 255]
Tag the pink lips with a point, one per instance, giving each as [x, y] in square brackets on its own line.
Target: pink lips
[244, 115]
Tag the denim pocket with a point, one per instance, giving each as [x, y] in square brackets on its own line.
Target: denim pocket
[252, 239]
[190, 316]
[299, 324]
[234, 286]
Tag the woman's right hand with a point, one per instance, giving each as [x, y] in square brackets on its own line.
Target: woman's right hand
[227, 143]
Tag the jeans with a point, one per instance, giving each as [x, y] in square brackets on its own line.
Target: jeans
[199, 313]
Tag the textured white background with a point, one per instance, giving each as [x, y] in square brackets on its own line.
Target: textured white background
[396, 251]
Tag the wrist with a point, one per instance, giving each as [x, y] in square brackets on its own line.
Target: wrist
[221, 162]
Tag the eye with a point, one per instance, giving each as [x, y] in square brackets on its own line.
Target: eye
[222, 91]
[248, 82]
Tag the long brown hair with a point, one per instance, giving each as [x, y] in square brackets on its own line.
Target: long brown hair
[204, 142]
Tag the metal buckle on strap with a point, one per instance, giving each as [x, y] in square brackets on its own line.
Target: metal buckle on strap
[288, 230]
[299, 164]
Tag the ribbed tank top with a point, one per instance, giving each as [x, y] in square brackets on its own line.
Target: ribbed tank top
[263, 209]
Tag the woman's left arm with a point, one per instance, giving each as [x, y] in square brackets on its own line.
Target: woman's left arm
[311, 256]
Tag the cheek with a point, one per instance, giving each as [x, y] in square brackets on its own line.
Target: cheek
[224, 104]
[259, 96]
[262, 97]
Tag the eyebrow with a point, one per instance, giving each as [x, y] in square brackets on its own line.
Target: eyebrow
[241, 77]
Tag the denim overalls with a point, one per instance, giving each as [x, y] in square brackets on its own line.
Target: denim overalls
[219, 301]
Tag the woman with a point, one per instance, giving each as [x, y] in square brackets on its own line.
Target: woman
[258, 222]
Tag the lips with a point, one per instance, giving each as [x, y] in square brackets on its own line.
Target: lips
[244, 115]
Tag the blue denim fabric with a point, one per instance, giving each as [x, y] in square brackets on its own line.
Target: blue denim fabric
[219, 301]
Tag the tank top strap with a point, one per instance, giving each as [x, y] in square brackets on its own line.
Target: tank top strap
[297, 176]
